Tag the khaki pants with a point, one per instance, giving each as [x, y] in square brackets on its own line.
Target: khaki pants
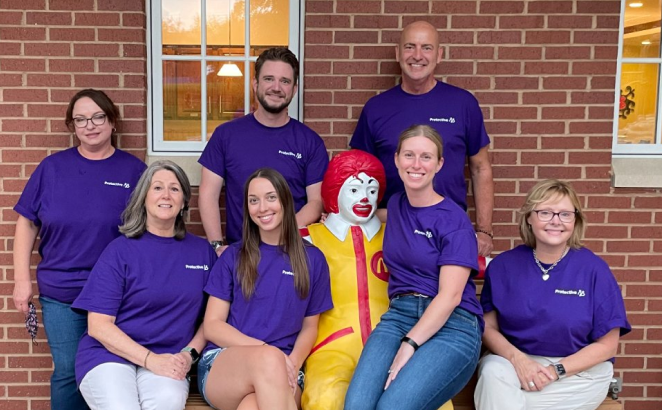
[499, 388]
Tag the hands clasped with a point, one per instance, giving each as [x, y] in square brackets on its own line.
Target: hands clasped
[175, 366]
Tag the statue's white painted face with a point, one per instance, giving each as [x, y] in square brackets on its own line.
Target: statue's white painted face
[357, 200]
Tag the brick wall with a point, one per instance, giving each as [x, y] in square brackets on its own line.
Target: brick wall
[48, 51]
[543, 72]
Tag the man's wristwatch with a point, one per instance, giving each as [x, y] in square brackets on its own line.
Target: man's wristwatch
[217, 244]
[194, 353]
[559, 369]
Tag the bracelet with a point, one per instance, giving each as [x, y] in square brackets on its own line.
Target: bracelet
[410, 342]
[146, 356]
[490, 234]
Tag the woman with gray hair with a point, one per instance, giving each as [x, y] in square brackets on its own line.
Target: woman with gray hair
[145, 302]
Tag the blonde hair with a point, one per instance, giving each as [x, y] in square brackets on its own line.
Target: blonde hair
[542, 192]
[422, 131]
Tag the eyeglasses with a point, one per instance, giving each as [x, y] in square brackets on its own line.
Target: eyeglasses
[97, 119]
[564, 216]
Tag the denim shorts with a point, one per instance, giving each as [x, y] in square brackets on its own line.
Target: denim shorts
[204, 367]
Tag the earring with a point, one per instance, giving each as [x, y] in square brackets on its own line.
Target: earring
[114, 129]
[181, 212]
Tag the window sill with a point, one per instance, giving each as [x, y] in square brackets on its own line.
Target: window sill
[628, 172]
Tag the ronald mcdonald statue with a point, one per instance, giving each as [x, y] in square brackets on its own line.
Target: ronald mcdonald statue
[351, 239]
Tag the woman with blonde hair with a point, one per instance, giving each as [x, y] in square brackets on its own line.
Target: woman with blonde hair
[553, 313]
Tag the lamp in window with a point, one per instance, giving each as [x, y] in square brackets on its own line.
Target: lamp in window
[229, 69]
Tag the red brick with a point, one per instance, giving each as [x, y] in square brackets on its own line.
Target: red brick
[96, 50]
[354, 67]
[542, 158]
[611, 22]
[499, 68]
[588, 157]
[96, 19]
[327, 6]
[598, 172]
[512, 172]
[568, 53]
[335, 142]
[354, 37]
[547, 37]
[519, 53]
[335, 21]
[603, 83]
[343, 127]
[22, 64]
[566, 113]
[456, 67]
[600, 113]
[564, 83]
[337, 52]
[628, 247]
[606, 52]
[593, 68]
[31, 125]
[599, 7]
[501, 127]
[23, 33]
[454, 7]
[516, 113]
[122, 5]
[123, 66]
[11, 110]
[49, 140]
[96, 80]
[571, 22]
[647, 232]
[596, 37]
[134, 111]
[48, 18]
[49, 80]
[47, 49]
[134, 50]
[501, 7]
[13, 141]
[596, 231]
[648, 202]
[492, 97]
[13, 377]
[542, 98]
[399, 7]
[521, 22]
[600, 142]
[24, 95]
[352, 97]
[72, 35]
[471, 83]
[516, 83]
[10, 18]
[645, 260]
[471, 53]
[458, 37]
[370, 83]
[542, 127]
[6, 404]
[591, 127]
[499, 37]
[563, 142]
[70, 65]
[473, 22]
[593, 97]
[547, 67]
[123, 35]
[630, 217]
[550, 7]
[519, 142]
[559, 172]
[12, 49]
[29, 390]
[317, 112]
[134, 20]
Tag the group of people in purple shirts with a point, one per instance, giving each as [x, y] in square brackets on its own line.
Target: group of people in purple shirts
[131, 301]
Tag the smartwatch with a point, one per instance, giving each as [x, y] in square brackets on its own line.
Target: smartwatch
[560, 370]
[194, 353]
[217, 244]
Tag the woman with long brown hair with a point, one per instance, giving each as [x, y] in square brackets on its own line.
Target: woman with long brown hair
[265, 296]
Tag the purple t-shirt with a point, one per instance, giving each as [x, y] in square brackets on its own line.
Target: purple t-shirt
[452, 111]
[153, 287]
[76, 203]
[578, 304]
[239, 147]
[276, 312]
[419, 241]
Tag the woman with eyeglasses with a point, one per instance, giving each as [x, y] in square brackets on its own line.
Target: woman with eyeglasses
[73, 202]
[553, 313]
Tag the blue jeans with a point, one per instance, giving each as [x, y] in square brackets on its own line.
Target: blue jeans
[438, 370]
[64, 328]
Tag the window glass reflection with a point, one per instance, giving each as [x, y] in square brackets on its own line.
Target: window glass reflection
[638, 104]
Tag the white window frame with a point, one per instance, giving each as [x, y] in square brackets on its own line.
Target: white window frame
[635, 150]
[156, 146]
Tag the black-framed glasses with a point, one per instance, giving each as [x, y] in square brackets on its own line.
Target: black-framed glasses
[564, 216]
[97, 119]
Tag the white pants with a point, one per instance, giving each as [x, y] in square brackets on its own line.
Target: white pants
[499, 388]
[112, 386]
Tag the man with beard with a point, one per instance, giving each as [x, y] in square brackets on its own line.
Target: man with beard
[267, 137]
[421, 99]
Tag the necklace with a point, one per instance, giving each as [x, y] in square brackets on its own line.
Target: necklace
[545, 272]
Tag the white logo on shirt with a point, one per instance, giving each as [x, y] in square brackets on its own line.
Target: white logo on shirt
[450, 120]
[290, 154]
[427, 234]
[197, 267]
[581, 293]
[287, 272]
[125, 185]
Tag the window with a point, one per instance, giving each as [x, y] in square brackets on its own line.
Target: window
[638, 117]
[202, 60]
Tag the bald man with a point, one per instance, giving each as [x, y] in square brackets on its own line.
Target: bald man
[453, 112]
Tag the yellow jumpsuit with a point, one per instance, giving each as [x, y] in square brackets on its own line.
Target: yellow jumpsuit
[359, 288]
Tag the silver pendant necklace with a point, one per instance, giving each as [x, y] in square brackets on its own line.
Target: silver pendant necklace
[545, 272]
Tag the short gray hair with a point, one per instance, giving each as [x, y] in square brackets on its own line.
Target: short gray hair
[134, 217]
